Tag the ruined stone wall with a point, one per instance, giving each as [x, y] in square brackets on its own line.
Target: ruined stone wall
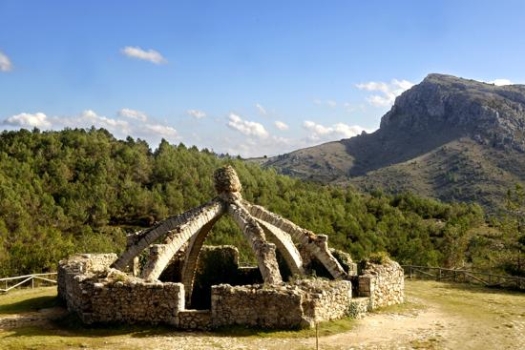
[103, 295]
[76, 265]
[326, 300]
[99, 294]
[123, 302]
[383, 284]
[288, 306]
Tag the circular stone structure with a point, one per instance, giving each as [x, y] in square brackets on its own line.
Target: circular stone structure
[98, 288]
[265, 231]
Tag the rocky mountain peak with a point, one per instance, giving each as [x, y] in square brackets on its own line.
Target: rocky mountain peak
[447, 137]
[461, 107]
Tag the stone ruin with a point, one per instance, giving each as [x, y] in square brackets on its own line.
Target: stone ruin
[182, 282]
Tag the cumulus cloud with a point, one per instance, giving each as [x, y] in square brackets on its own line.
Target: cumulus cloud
[195, 113]
[500, 82]
[133, 114]
[246, 127]
[149, 55]
[319, 132]
[280, 125]
[36, 120]
[5, 63]
[128, 123]
[387, 91]
[162, 130]
[261, 109]
[90, 118]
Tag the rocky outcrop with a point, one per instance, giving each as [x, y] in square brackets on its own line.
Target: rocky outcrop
[449, 138]
[491, 114]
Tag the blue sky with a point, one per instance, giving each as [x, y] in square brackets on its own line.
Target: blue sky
[247, 78]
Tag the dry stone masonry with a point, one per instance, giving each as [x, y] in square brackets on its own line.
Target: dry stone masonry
[383, 284]
[205, 288]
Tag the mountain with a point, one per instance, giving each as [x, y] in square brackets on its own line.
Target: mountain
[447, 137]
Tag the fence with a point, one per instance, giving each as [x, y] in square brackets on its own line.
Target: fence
[464, 276]
[32, 281]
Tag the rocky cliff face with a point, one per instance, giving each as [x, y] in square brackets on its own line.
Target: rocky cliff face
[446, 137]
[489, 114]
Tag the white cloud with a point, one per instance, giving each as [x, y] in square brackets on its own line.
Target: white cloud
[133, 114]
[280, 125]
[320, 132]
[261, 109]
[136, 125]
[5, 63]
[246, 127]
[500, 82]
[388, 91]
[195, 113]
[37, 120]
[89, 118]
[138, 53]
[162, 130]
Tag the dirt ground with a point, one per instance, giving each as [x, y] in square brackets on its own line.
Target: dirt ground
[436, 316]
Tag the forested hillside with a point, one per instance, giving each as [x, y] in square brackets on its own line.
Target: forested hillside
[82, 190]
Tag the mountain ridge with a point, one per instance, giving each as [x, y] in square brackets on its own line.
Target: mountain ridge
[447, 137]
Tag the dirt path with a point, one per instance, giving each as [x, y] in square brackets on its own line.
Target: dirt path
[422, 329]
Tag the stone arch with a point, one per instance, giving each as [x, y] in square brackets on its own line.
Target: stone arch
[315, 244]
[145, 238]
[255, 222]
[201, 221]
[285, 246]
[189, 266]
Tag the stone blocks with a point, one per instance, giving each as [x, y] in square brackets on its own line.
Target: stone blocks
[100, 294]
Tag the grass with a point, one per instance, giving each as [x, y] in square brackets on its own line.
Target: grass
[27, 300]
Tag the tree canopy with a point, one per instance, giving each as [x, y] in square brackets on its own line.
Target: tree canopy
[76, 190]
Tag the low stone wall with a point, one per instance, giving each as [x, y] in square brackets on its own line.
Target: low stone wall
[77, 265]
[288, 306]
[383, 284]
[102, 295]
[99, 294]
[195, 319]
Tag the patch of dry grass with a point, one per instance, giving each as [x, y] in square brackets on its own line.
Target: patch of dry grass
[27, 300]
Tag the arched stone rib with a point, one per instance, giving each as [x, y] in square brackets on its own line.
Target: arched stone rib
[264, 251]
[189, 267]
[175, 223]
[315, 244]
[285, 245]
[181, 234]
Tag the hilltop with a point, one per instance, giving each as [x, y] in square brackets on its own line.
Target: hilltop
[447, 137]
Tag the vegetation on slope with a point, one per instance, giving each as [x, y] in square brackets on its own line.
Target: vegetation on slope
[82, 190]
[448, 138]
